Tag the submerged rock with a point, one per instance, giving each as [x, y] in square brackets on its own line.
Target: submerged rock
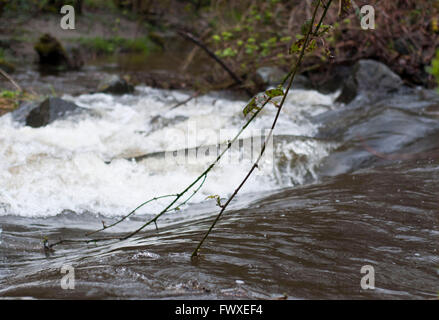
[371, 78]
[115, 85]
[270, 76]
[159, 122]
[47, 112]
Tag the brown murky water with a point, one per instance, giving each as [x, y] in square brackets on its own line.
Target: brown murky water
[306, 241]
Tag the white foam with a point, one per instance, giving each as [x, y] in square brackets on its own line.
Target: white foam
[44, 171]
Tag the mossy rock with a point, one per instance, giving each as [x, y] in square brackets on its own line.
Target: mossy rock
[50, 51]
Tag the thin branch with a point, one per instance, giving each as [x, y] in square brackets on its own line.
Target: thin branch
[131, 213]
[255, 165]
[178, 196]
[145, 203]
[181, 103]
[198, 42]
[202, 177]
[229, 145]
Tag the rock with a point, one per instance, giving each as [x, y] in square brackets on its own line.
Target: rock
[332, 81]
[20, 114]
[369, 78]
[115, 85]
[270, 76]
[52, 53]
[48, 111]
[159, 122]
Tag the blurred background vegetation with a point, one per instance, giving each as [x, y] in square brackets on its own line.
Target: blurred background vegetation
[249, 34]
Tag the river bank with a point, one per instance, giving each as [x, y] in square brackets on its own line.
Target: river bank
[140, 47]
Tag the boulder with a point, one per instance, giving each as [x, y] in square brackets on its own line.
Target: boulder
[47, 112]
[270, 76]
[52, 53]
[19, 114]
[369, 78]
[115, 85]
[331, 81]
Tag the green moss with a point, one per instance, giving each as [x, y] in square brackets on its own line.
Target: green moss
[7, 94]
[50, 50]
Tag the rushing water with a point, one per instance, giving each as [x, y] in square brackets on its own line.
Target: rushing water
[341, 187]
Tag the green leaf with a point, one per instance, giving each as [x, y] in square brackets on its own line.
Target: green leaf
[218, 199]
[250, 106]
[312, 45]
[227, 35]
[272, 93]
[297, 46]
[228, 52]
[216, 38]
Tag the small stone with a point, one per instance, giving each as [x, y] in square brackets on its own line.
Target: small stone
[115, 85]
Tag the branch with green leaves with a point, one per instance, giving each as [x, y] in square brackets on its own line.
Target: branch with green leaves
[173, 205]
[275, 92]
[311, 31]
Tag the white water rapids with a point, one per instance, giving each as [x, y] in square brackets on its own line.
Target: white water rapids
[80, 163]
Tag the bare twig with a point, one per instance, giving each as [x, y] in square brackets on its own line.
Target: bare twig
[179, 104]
[193, 52]
[131, 213]
[198, 42]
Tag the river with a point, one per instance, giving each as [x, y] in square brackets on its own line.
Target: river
[341, 187]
